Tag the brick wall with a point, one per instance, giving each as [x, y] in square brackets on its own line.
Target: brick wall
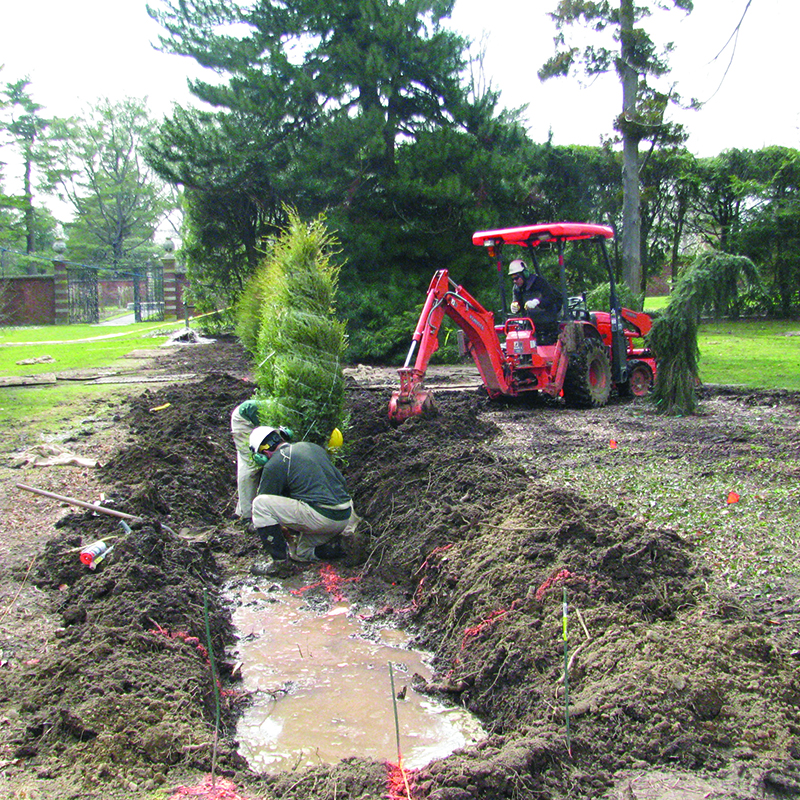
[658, 285]
[27, 300]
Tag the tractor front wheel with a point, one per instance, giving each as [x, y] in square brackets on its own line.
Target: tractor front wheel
[640, 380]
[587, 383]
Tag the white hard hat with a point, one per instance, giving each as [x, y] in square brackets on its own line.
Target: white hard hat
[263, 439]
[516, 266]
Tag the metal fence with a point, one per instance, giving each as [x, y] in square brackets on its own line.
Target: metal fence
[97, 292]
[82, 289]
[148, 293]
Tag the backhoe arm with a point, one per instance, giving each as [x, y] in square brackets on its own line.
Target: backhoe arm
[445, 297]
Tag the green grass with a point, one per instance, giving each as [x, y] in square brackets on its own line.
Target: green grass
[47, 408]
[753, 354]
[53, 411]
[656, 303]
[76, 346]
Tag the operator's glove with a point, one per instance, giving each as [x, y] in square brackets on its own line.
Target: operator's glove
[515, 307]
[531, 304]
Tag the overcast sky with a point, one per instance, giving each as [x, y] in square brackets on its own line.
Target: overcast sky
[75, 51]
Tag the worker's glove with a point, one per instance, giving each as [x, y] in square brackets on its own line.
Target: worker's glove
[531, 304]
[515, 307]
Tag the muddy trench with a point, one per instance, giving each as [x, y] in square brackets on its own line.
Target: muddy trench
[459, 545]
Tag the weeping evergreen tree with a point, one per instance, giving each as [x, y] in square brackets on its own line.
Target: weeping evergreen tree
[286, 322]
[711, 283]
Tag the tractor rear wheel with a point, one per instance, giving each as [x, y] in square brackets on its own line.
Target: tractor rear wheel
[587, 383]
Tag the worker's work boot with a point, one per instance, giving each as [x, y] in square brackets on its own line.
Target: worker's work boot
[329, 551]
[273, 568]
[274, 542]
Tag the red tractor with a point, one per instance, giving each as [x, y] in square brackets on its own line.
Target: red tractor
[579, 357]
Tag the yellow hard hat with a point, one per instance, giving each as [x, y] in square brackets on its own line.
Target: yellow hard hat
[336, 440]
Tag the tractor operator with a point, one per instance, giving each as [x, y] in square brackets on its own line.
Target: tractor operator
[300, 491]
[533, 295]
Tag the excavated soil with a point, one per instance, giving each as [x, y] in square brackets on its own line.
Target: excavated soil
[678, 687]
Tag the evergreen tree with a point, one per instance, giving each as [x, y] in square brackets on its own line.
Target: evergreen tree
[724, 186]
[286, 320]
[30, 135]
[712, 282]
[770, 234]
[354, 108]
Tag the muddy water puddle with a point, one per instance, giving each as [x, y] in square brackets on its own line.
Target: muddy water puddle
[321, 687]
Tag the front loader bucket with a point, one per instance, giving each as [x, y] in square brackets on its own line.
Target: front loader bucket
[412, 400]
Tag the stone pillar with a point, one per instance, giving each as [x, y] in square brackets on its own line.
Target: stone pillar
[60, 284]
[170, 281]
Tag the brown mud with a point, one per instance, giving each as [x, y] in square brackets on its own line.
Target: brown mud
[673, 681]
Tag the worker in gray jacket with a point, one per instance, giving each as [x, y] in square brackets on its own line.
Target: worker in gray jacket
[301, 492]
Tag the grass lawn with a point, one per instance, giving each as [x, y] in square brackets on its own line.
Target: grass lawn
[762, 354]
[45, 408]
[755, 354]
[76, 346]
[656, 303]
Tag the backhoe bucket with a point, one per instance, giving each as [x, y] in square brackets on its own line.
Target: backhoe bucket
[412, 400]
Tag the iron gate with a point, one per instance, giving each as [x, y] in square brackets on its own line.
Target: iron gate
[148, 293]
[82, 290]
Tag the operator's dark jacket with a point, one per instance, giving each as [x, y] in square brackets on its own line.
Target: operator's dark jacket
[536, 286]
[304, 472]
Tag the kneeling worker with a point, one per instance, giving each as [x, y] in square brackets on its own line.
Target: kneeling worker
[302, 491]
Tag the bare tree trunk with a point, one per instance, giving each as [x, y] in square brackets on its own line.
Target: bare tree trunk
[30, 215]
[631, 217]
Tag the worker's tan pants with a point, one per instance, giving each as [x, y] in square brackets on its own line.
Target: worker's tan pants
[248, 473]
[311, 527]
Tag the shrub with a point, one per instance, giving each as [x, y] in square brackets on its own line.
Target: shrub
[286, 321]
[712, 281]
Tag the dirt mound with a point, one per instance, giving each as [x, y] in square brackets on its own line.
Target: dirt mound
[488, 553]
[461, 544]
[124, 692]
[177, 466]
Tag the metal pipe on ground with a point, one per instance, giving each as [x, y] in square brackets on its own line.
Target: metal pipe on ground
[72, 501]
